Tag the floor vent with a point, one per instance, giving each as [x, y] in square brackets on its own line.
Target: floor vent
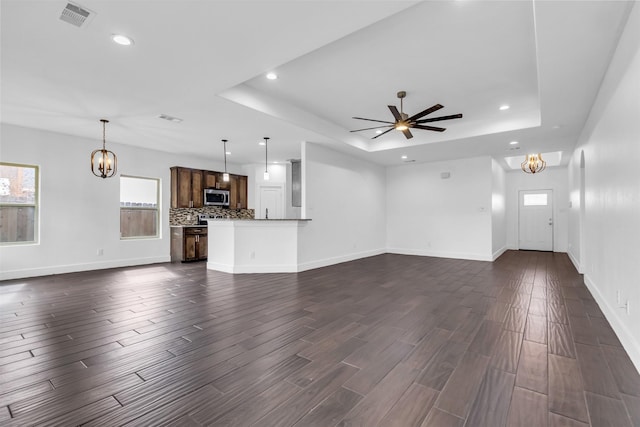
[76, 15]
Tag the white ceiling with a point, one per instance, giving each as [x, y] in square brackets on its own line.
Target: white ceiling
[205, 62]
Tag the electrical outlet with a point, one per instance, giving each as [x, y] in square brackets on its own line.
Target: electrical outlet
[253, 255]
[100, 252]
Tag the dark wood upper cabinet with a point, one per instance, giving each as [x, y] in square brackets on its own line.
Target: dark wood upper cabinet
[197, 194]
[187, 187]
[210, 179]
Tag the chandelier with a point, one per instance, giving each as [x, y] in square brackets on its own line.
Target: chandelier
[533, 163]
[104, 163]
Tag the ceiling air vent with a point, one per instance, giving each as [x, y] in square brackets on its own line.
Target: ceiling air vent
[169, 118]
[76, 15]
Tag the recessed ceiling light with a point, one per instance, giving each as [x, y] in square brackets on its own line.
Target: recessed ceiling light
[556, 127]
[272, 76]
[275, 162]
[378, 131]
[122, 39]
[261, 143]
[403, 157]
[513, 142]
[504, 107]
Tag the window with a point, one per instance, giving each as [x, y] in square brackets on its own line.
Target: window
[535, 199]
[18, 203]
[139, 216]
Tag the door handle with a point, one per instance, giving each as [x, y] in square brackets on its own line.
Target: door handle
[550, 221]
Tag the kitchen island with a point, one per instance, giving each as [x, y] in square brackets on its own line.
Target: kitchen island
[254, 245]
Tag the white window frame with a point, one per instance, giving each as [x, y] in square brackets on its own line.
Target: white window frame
[149, 208]
[35, 205]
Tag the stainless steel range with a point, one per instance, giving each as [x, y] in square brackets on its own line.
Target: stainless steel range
[202, 218]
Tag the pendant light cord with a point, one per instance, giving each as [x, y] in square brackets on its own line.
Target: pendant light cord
[266, 142]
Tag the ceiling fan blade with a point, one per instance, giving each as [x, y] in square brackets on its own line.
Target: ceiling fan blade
[395, 112]
[376, 127]
[372, 120]
[386, 131]
[428, 128]
[407, 134]
[437, 119]
[425, 112]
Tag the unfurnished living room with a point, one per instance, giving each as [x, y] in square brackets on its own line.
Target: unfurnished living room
[319, 213]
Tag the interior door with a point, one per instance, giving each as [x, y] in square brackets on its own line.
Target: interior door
[271, 204]
[536, 220]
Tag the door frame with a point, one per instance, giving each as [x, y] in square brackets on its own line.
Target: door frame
[553, 216]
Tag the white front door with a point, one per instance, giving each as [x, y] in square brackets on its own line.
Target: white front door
[536, 220]
[271, 204]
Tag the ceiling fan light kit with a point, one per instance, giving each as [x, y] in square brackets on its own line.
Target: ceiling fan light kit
[404, 123]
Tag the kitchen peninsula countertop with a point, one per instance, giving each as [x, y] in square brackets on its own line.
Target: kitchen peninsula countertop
[260, 219]
[256, 245]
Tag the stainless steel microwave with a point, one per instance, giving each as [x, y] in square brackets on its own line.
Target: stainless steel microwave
[215, 197]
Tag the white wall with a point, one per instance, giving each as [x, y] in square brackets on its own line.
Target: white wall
[611, 230]
[498, 210]
[345, 199]
[428, 215]
[279, 174]
[79, 213]
[550, 179]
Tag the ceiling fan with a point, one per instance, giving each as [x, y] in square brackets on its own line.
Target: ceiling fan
[403, 122]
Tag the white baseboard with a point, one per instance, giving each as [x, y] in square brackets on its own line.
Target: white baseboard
[251, 268]
[291, 268]
[72, 268]
[617, 323]
[441, 254]
[499, 252]
[575, 261]
[310, 265]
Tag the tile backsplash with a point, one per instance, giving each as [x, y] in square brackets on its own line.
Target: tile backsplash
[189, 216]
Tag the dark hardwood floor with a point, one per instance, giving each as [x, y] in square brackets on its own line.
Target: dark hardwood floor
[389, 340]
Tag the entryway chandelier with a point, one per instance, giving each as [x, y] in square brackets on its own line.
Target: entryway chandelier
[104, 163]
[533, 163]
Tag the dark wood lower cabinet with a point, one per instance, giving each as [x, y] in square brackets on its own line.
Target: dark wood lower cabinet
[188, 244]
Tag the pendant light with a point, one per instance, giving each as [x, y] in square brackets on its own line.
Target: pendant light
[104, 163]
[225, 175]
[266, 170]
[533, 163]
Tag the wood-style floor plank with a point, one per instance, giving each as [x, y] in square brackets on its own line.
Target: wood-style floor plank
[565, 388]
[491, 406]
[599, 380]
[605, 411]
[390, 340]
[460, 391]
[438, 418]
[527, 408]
[331, 410]
[412, 408]
[532, 367]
